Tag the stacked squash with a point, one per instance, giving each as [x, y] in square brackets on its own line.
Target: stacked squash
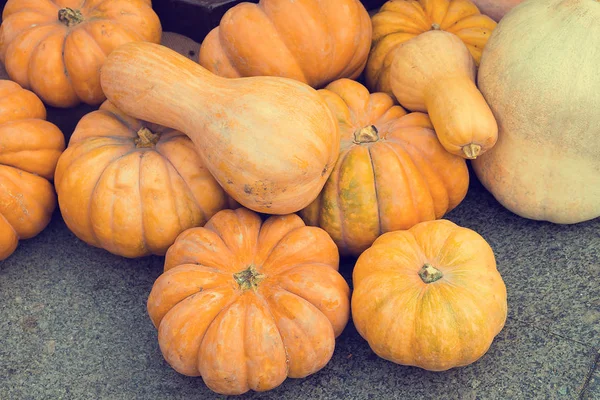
[182, 157]
[29, 150]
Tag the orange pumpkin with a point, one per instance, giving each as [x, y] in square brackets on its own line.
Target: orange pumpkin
[56, 48]
[392, 171]
[430, 296]
[401, 20]
[29, 149]
[312, 41]
[131, 187]
[245, 303]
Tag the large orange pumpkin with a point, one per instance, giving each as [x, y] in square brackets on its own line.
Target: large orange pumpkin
[312, 41]
[131, 187]
[56, 48]
[401, 20]
[430, 296]
[392, 171]
[29, 149]
[245, 303]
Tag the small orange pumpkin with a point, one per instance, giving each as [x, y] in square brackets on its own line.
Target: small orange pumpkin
[430, 296]
[392, 171]
[131, 187]
[246, 303]
[401, 20]
[314, 42]
[56, 48]
[29, 149]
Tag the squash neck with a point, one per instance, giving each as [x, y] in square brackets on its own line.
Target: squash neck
[146, 138]
[248, 278]
[429, 274]
[70, 17]
[368, 134]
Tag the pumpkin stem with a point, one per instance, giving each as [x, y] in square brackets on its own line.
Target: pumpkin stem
[429, 274]
[368, 134]
[146, 138]
[248, 278]
[435, 26]
[471, 150]
[70, 17]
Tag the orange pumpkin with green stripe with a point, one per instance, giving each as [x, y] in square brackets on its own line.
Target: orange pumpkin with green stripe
[392, 171]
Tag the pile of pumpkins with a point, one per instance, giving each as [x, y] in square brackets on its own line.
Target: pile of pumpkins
[305, 130]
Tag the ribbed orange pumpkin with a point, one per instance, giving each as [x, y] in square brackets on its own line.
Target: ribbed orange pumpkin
[401, 20]
[29, 150]
[56, 48]
[246, 303]
[392, 171]
[430, 296]
[131, 187]
[312, 41]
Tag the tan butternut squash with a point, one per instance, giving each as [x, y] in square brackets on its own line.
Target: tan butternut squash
[271, 142]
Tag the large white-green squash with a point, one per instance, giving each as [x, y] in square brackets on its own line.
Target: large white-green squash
[540, 74]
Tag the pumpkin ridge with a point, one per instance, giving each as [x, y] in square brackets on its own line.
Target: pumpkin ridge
[293, 321]
[64, 63]
[234, 298]
[203, 290]
[427, 183]
[298, 265]
[419, 151]
[33, 47]
[389, 299]
[406, 175]
[445, 244]
[11, 227]
[459, 317]
[344, 71]
[34, 199]
[338, 190]
[89, 211]
[281, 38]
[278, 287]
[20, 171]
[171, 188]
[187, 184]
[91, 39]
[122, 26]
[260, 297]
[266, 256]
[377, 199]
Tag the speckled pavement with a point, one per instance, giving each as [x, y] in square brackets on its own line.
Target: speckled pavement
[73, 322]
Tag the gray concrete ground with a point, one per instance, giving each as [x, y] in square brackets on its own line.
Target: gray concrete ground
[73, 322]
